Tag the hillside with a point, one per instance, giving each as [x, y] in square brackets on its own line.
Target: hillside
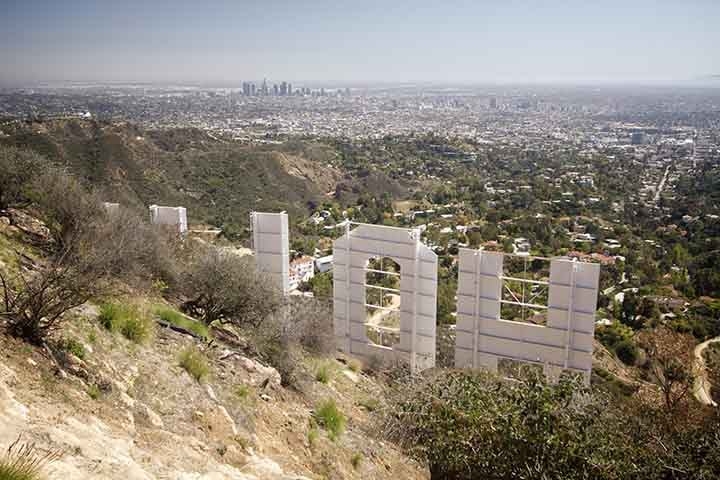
[119, 407]
[219, 181]
[131, 352]
[150, 419]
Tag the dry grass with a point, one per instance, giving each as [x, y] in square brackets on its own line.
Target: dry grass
[194, 362]
[23, 461]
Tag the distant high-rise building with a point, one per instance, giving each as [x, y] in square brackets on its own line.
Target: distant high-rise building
[289, 89]
[252, 89]
[276, 90]
[705, 148]
[264, 89]
[493, 103]
[283, 88]
[322, 92]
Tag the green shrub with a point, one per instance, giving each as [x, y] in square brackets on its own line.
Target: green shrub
[627, 352]
[93, 392]
[608, 382]
[194, 362]
[22, 462]
[71, 345]
[330, 418]
[242, 392]
[130, 320]
[176, 318]
[110, 316]
[137, 329]
[323, 373]
[611, 335]
[313, 435]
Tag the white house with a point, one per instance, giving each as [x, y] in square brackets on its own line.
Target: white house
[324, 264]
[302, 269]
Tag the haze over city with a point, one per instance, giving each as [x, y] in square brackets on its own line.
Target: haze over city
[222, 42]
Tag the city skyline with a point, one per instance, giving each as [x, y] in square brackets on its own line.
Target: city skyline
[421, 42]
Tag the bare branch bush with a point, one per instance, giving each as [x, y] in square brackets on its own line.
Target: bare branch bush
[670, 365]
[91, 248]
[220, 285]
[311, 325]
[17, 168]
[302, 325]
[65, 205]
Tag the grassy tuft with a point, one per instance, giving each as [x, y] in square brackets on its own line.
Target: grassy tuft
[22, 462]
[330, 418]
[176, 318]
[194, 362]
[138, 329]
[110, 316]
[130, 320]
[93, 392]
[323, 373]
[71, 345]
[313, 436]
[242, 392]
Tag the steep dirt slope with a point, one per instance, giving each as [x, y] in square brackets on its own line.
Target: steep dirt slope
[130, 411]
[150, 419]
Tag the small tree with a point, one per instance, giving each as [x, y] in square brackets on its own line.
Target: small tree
[65, 205]
[36, 302]
[223, 286]
[17, 168]
[670, 364]
[90, 249]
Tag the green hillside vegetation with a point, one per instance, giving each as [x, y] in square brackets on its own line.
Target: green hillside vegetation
[461, 424]
[219, 182]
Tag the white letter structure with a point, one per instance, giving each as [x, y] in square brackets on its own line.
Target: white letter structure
[271, 246]
[418, 293]
[482, 337]
[174, 216]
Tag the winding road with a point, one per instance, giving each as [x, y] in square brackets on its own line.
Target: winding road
[378, 315]
[701, 387]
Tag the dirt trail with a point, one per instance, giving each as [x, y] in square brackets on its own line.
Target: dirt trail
[378, 315]
[701, 388]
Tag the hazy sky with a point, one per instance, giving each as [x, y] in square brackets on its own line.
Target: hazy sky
[439, 40]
